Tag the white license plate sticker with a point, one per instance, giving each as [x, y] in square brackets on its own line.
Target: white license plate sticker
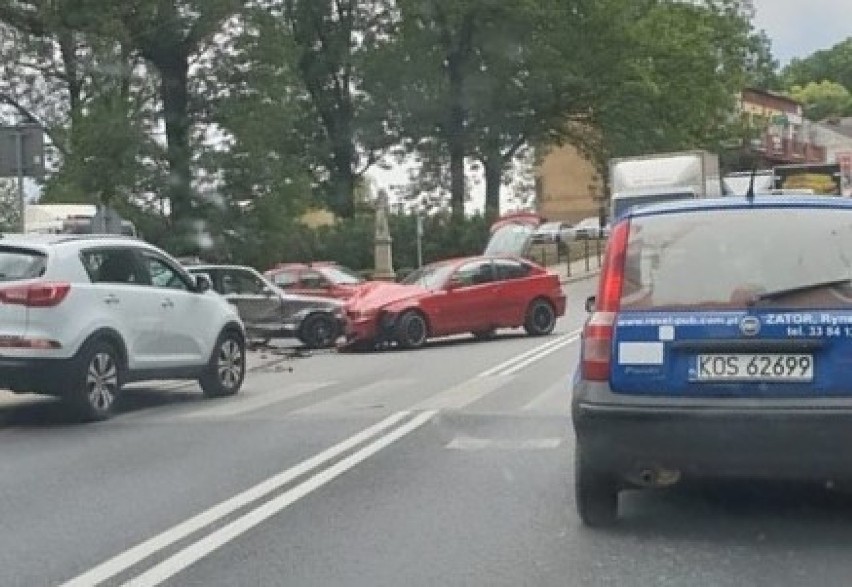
[641, 353]
[753, 367]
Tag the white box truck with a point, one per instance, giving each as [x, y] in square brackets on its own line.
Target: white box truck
[662, 177]
[75, 219]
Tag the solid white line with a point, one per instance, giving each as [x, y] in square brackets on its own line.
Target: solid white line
[508, 363]
[140, 552]
[198, 550]
[530, 360]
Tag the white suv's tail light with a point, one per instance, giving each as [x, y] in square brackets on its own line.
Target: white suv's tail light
[598, 331]
[35, 295]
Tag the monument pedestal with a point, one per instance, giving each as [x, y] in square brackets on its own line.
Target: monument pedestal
[383, 253]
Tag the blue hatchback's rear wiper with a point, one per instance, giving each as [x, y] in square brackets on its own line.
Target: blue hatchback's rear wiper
[787, 291]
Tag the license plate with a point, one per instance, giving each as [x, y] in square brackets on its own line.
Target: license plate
[754, 367]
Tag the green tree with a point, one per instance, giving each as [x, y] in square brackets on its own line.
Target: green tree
[834, 64]
[10, 206]
[168, 35]
[761, 67]
[428, 64]
[295, 76]
[823, 99]
[484, 78]
[66, 69]
[332, 40]
[687, 63]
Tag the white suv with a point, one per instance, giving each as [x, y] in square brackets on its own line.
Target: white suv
[82, 315]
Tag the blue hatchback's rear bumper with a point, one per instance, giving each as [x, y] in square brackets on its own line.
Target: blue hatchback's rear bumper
[793, 439]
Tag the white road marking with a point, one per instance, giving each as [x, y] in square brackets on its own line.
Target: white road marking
[470, 444]
[460, 396]
[243, 405]
[554, 399]
[198, 550]
[540, 355]
[122, 562]
[519, 358]
[361, 398]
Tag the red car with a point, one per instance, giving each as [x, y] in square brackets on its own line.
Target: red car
[328, 280]
[474, 294]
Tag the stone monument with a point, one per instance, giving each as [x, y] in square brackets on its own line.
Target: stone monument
[383, 259]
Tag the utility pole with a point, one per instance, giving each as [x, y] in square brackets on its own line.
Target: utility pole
[419, 241]
[19, 156]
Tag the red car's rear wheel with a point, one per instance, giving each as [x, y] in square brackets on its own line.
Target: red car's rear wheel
[541, 318]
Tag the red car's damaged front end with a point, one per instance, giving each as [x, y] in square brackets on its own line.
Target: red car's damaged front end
[370, 314]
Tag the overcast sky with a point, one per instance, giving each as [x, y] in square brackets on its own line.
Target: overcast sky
[797, 28]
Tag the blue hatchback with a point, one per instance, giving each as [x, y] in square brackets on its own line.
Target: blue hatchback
[719, 345]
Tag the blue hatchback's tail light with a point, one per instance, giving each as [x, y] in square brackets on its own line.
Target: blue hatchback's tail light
[598, 331]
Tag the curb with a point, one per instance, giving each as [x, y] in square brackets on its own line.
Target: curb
[583, 277]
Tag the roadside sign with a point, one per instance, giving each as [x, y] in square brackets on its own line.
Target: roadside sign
[21, 151]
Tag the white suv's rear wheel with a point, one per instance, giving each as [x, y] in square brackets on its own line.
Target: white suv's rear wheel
[226, 370]
[97, 381]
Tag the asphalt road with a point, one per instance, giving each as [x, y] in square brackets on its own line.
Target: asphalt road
[446, 466]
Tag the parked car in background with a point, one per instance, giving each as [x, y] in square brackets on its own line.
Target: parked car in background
[717, 346]
[80, 316]
[269, 312]
[553, 232]
[325, 279]
[474, 294]
[589, 228]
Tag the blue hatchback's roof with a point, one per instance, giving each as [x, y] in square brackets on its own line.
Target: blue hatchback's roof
[735, 202]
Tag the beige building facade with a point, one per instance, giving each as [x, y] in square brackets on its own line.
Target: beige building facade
[568, 187]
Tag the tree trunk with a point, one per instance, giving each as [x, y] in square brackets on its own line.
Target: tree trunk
[344, 157]
[175, 95]
[68, 50]
[343, 186]
[456, 137]
[493, 165]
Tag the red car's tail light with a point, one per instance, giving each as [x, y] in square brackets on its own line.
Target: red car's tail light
[35, 295]
[598, 331]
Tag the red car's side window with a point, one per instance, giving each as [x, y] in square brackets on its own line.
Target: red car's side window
[285, 279]
[313, 280]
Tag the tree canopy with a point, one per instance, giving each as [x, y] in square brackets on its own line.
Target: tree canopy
[232, 117]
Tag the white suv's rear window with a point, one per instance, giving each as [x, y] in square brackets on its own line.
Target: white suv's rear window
[17, 264]
[729, 258]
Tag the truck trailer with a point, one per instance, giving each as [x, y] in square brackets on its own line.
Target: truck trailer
[662, 177]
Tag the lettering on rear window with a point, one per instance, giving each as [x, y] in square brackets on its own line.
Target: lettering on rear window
[679, 320]
[779, 324]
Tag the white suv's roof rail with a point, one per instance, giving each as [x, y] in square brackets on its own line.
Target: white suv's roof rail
[56, 239]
